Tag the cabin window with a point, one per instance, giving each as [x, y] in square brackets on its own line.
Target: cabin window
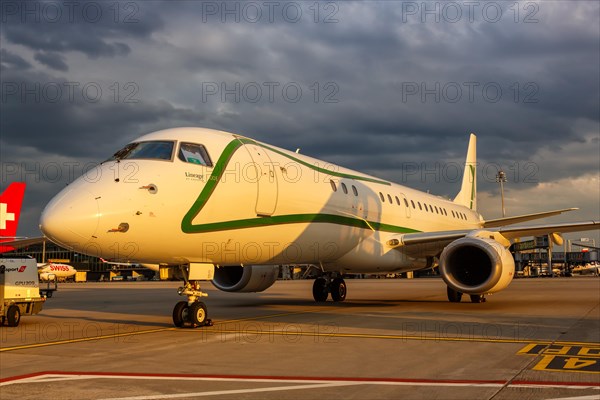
[333, 186]
[194, 154]
[406, 202]
[381, 197]
[154, 150]
[413, 203]
[344, 188]
[445, 212]
[354, 190]
[419, 204]
[453, 214]
[436, 210]
[390, 199]
[397, 200]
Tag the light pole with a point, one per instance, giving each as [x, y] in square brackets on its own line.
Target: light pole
[501, 179]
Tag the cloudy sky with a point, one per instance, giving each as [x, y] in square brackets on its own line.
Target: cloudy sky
[389, 88]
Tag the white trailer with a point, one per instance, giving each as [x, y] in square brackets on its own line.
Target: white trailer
[19, 289]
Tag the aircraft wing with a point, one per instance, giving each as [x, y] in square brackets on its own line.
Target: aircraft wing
[19, 243]
[513, 232]
[432, 243]
[493, 223]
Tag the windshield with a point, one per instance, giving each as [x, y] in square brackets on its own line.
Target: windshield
[155, 150]
[194, 154]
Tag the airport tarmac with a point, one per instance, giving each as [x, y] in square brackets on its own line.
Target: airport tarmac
[391, 339]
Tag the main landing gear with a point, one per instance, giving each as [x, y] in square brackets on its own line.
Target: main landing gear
[325, 285]
[455, 297]
[191, 311]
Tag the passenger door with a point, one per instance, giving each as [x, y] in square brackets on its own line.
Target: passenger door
[266, 199]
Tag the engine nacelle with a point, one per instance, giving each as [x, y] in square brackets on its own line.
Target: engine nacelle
[250, 278]
[477, 265]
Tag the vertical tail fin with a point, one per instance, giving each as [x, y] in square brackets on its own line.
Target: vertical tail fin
[10, 211]
[468, 191]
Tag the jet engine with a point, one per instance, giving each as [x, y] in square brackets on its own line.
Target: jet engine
[249, 278]
[477, 265]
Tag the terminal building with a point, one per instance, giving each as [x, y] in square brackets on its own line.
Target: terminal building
[95, 268]
[536, 258]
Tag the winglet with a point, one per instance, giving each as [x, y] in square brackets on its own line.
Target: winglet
[468, 191]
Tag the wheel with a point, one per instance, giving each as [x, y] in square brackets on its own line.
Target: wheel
[197, 313]
[180, 313]
[338, 289]
[49, 294]
[13, 316]
[477, 298]
[320, 290]
[453, 295]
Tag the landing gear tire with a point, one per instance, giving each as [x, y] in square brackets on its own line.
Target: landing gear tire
[180, 313]
[477, 298]
[453, 295]
[13, 316]
[197, 314]
[338, 289]
[320, 290]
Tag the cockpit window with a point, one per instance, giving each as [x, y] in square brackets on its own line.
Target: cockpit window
[155, 150]
[194, 154]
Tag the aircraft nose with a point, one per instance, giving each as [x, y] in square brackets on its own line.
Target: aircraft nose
[71, 218]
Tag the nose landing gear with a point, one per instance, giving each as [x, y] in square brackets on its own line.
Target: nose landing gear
[191, 311]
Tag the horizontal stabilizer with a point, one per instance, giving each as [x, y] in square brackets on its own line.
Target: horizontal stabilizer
[493, 223]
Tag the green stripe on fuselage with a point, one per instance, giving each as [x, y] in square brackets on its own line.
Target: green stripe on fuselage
[187, 225]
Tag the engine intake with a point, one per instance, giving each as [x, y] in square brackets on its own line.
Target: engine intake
[476, 265]
[249, 278]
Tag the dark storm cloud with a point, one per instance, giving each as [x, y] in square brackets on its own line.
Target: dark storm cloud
[10, 60]
[540, 93]
[52, 60]
[52, 114]
[93, 28]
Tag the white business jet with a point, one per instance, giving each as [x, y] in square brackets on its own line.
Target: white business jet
[223, 207]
